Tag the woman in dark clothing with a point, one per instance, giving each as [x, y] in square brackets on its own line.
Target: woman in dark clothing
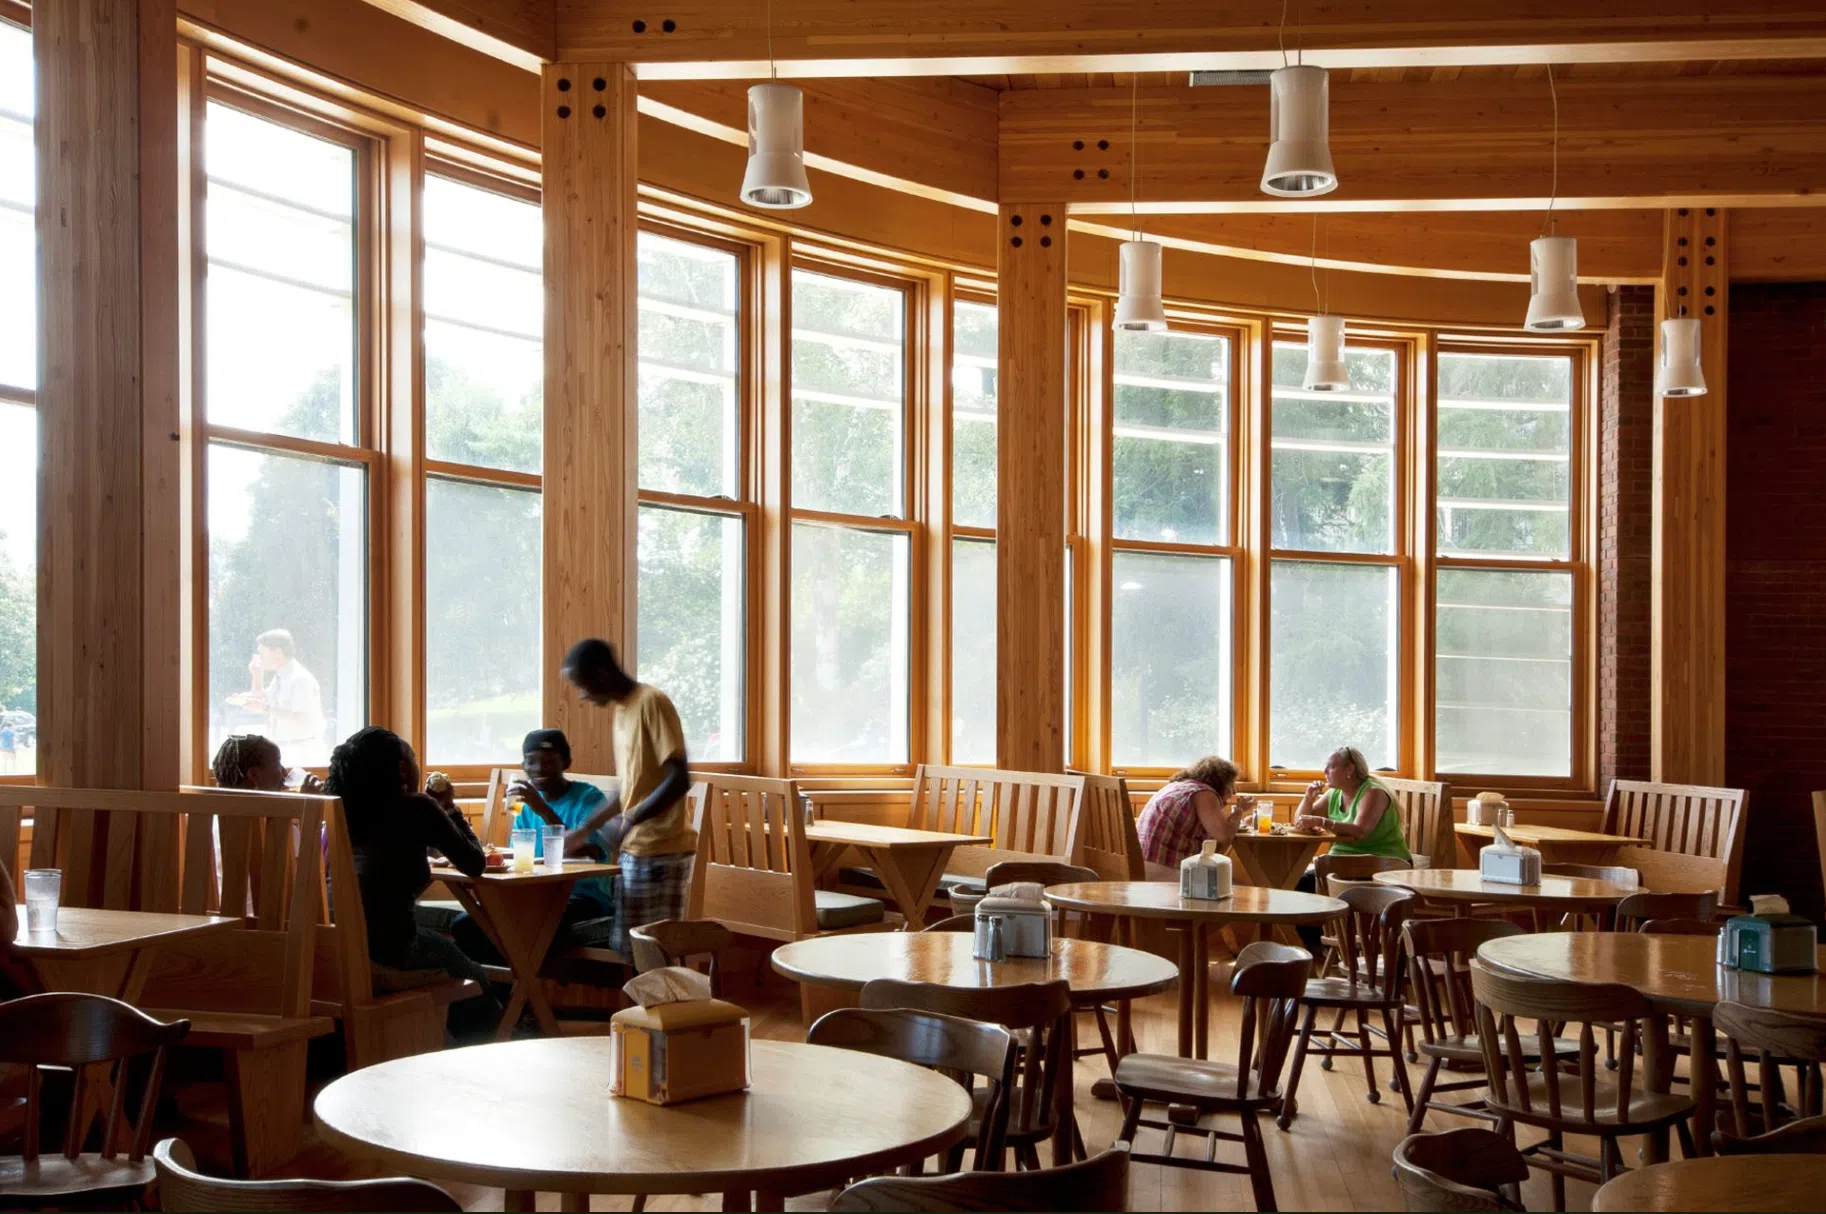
[391, 824]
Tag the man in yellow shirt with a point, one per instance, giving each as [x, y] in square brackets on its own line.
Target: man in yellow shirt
[647, 823]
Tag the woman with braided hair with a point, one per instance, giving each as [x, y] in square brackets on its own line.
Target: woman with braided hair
[250, 762]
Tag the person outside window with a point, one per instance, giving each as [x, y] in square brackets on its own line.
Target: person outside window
[289, 695]
[9, 747]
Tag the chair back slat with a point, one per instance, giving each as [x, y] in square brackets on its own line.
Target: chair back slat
[1370, 935]
[1425, 807]
[1693, 834]
[1774, 1038]
[753, 871]
[1106, 825]
[1269, 979]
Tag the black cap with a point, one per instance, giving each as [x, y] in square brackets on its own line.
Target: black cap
[547, 739]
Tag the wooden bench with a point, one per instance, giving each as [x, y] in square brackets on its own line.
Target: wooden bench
[1693, 835]
[1031, 815]
[1425, 807]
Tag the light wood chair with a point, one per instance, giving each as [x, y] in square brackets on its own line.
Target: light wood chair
[182, 1187]
[1575, 1097]
[1466, 1170]
[1041, 1091]
[1268, 978]
[966, 1050]
[1762, 1119]
[1426, 818]
[677, 942]
[95, 1039]
[1098, 1183]
[1694, 835]
[1110, 841]
[1030, 815]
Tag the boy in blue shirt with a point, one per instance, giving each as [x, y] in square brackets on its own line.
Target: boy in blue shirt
[549, 798]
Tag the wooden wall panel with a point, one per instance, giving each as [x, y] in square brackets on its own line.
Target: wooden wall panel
[1687, 659]
[1779, 245]
[1030, 488]
[590, 170]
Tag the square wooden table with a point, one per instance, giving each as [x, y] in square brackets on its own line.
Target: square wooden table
[520, 912]
[1557, 844]
[107, 952]
[909, 862]
[1275, 861]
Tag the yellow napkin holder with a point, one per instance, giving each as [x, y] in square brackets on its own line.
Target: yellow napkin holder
[678, 1050]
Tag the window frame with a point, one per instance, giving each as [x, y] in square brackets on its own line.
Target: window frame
[969, 291]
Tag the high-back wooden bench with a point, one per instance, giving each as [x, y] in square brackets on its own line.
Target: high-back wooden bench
[1031, 815]
[1693, 835]
[1426, 817]
[1110, 841]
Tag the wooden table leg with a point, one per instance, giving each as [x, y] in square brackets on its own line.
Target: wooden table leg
[521, 924]
[1201, 982]
[1064, 1118]
[911, 878]
[1702, 1060]
[518, 1201]
[1657, 1076]
[1188, 986]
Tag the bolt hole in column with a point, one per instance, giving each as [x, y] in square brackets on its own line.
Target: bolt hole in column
[1016, 242]
[640, 27]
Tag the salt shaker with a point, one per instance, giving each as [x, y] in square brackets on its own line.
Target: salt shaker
[1506, 816]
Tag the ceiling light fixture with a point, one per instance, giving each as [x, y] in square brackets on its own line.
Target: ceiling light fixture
[775, 177]
[1325, 369]
[1139, 307]
[1553, 261]
[1299, 128]
[1678, 373]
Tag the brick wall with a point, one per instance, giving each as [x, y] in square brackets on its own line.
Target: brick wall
[1626, 431]
[1775, 595]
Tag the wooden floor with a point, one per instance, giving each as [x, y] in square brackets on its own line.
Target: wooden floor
[1336, 1156]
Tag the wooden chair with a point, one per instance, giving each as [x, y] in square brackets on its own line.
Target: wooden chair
[1041, 1092]
[1694, 836]
[1613, 874]
[1109, 841]
[1370, 939]
[1030, 815]
[1098, 1183]
[1268, 978]
[676, 942]
[1426, 819]
[182, 1187]
[95, 1038]
[1466, 1170]
[1330, 875]
[1680, 927]
[966, 1050]
[953, 923]
[1575, 1097]
[1772, 1125]
[1638, 909]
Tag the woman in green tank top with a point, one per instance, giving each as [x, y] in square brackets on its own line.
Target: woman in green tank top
[1353, 805]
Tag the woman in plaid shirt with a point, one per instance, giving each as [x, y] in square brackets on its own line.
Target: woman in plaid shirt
[1198, 803]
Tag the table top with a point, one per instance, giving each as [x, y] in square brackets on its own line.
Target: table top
[1292, 836]
[869, 834]
[538, 874]
[1161, 900]
[1093, 970]
[538, 1115]
[1466, 885]
[1552, 834]
[1720, 1182]
[1678, 973]
[88, 932]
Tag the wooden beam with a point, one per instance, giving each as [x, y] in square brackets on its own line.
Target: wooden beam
[590, 169]
[731, 38]
[1779, 245]
[1687, 632]
[519, 32]
[1030, 488]
[109, 671]
[1441, 145]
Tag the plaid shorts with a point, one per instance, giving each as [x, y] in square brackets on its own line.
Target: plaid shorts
[649, 889]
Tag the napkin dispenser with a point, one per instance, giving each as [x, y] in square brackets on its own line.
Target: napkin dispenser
[1013, 921]
[1769, 940]
[677, 1043]
[1508, 862]
[1205, 875]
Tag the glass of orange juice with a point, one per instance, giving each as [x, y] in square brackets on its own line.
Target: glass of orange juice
[1264, 817]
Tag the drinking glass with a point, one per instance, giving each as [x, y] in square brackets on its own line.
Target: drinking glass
[552, 847]
[525, 843]
[1264, 817]
[43, 887]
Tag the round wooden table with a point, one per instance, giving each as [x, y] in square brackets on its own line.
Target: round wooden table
[1730, 1182]
[1248, 904]
[536, 1116]
[1679, 975]
[1096, 972]
[1464, 887]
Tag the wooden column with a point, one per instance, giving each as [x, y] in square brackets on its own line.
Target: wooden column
[110, 546]
[1687, 709]
[1030, 498]
[590, 227]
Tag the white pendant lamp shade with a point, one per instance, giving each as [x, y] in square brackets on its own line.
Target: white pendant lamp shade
[1138, 304]
[1553, 274]
[1299, 126]
[1679, 372]
[1325, 371]
[776, 148]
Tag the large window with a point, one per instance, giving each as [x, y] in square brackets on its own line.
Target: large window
[287, 472]
[18, 420]
[1504, 593]
[692, 529]
[851, 539]
[973, 436]
[484, 397]
[1172, 569]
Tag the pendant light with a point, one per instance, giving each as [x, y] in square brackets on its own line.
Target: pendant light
[1553, 261]
[1678, 373]
[775, 177]
[1299, 125]
[1139, 307]
[1325, 369]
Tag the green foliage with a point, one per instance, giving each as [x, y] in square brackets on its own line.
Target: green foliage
[18, 637]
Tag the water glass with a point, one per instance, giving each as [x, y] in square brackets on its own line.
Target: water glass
[43, 888]
[525, 844]
[551, 846]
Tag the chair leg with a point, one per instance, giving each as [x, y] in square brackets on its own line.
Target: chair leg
[1418, 1116]
[1369, 1059]
[1685, 1130]
[1337, 1028]
[1110, 1053]
[1260, 1179]
[1392, 1022]
[1558, 1181]
[640, 1203]
[1289, 1107]
[1131, 1120]
[1027, 1155]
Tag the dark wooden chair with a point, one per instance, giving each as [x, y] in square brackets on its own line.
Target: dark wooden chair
[1041, 1092]
[1575, 1097]
[1268, 978]
[1098, 1183]
[95, 1039]
[966, 1050]
[1680, 927]
[1466, 1169]
[1612, 874]
[1330, 876]
[677, 942]
[182, 1187]
[954, 923]
[1370, 954]
[1762, 1118]
[1643, 907]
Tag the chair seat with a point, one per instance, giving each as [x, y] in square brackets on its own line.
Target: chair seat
[60, 1176]
[1646, 1110]
[1344, 992]
[835, 910]
[437, 913]
[1470, 1049]
[1203, 1084]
